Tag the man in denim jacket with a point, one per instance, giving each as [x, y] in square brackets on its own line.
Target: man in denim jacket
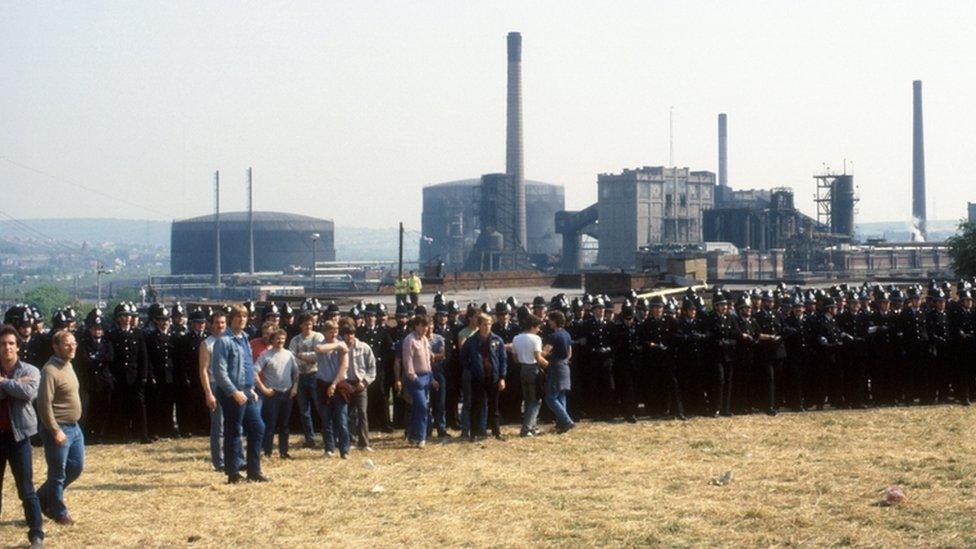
[483, 356]
[234, 376]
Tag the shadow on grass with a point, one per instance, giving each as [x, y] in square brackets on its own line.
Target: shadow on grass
[119, 487]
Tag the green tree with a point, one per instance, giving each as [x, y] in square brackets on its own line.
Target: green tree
[48, 298]
[962, 250]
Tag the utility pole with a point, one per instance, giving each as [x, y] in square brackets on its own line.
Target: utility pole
[99, 271]
[250, 220]
[315, 238]
[400, 260]
[217, 228]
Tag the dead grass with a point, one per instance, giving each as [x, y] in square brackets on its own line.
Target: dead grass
[799, 479]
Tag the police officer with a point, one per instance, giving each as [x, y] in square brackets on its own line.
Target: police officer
[939, 331]
[687, 342]
[915, 345]
[598, 386]
[826, 346]
[794, 340]
[720, 372]
[190, 403]
[963, 324]
[770, 353]
[658, 385]
[178, 325]
[376, 334]
[21, 317]
[130, 370]
[627, 362]
[160, 352]
[93, 362]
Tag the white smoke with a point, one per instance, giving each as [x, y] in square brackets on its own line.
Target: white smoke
[917, 235]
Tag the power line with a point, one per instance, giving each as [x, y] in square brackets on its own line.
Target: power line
[86, 188]
[51, 240]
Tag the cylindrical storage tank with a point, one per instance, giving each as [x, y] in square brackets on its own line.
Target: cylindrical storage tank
[496, 242]
[842, 205]
[281, 241]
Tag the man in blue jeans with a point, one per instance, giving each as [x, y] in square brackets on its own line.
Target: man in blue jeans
[333, 363]
[18, 387]
[302, 345]
[234, 375]
[59, 408]
[559, 349]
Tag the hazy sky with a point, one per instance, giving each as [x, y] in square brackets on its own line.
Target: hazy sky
[346, 110]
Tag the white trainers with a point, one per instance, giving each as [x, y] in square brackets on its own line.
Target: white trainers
[329, 454]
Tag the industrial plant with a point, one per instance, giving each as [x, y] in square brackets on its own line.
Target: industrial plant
[651, 220]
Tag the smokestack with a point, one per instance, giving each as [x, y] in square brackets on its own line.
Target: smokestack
[217, 227]
[250, 221]
[723, 150]
[918, 160]
[514, 165]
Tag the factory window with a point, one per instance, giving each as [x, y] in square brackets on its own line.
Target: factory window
[643, 190]
[684, 201]
[605, 192]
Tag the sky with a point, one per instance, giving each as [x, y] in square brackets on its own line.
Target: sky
[346, 110]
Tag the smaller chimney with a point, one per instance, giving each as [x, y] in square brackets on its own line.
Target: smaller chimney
[250, 221]
[217, 227]
[723, 151]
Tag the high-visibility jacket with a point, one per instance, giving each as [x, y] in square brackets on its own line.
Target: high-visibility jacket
[400, 286]
[413, 283]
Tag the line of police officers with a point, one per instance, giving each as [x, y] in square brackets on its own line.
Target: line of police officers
[757, 351]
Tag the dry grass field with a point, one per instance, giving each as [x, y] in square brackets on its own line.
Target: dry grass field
[798, 479]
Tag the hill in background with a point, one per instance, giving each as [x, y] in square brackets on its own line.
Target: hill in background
[352, 243]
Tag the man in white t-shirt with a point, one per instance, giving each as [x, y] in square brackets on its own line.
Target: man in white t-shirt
[527, 347]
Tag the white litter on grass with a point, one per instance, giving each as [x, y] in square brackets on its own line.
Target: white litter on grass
[370, 465]
[722, 480]
[378, 488]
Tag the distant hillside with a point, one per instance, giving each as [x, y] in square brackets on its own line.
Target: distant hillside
[92, 230]
[352, 243]
[893, 231]
[359, 244]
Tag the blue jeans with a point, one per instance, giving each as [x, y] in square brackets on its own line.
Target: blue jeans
[308, 400]
[64, 466]
[217, 437]
[276, 411]
[237, 418]
[19, 455]
[556, 401]
[335, 424]
[417, 428]
[438, 403]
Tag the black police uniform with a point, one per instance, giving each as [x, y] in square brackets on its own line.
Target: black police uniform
[130, 369]
[598, 386]
[720, 371]
[795, 342]
[93, 361]
[626, 365]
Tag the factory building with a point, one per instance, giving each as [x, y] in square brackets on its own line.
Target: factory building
[758, 219]
[451, 219]
[972, 212]
[281, 241]
[650, 205]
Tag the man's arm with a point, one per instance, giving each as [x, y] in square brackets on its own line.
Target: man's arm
[45, 403]
[406, 354]
[370, 361]
[218, 362]
[22, 388]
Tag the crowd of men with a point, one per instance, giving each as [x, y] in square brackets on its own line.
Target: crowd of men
[465, 368]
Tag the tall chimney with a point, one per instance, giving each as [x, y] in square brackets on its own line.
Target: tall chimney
[514, 164]
[217, 227]
[723, 150]
[918, 160]
[250, 221]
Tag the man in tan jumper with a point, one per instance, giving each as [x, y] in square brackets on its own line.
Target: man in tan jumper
[59, 408]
